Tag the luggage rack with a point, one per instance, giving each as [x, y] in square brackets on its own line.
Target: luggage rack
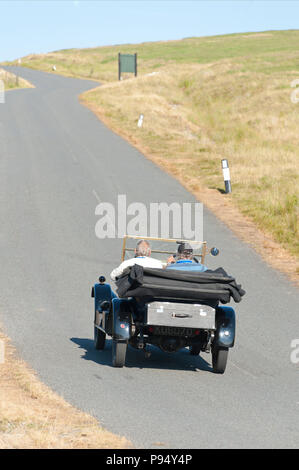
[198, 253]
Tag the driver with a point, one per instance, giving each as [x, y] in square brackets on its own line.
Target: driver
[184, 260]
[142, 257]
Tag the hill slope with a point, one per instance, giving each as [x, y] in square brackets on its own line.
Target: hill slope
[205, 99]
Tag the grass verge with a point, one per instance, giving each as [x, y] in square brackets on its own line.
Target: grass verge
[32, 416]
[12, 81]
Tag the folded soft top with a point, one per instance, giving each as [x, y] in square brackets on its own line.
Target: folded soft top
[151, 284]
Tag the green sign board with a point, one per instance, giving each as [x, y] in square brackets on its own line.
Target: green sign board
[127, 63]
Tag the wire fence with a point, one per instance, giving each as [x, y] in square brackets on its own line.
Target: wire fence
[8, 80]
[2, 92]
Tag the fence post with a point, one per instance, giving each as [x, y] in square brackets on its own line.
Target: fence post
[135, 64]
[2, 92]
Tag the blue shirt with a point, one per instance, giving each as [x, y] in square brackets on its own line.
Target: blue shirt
[187, 265]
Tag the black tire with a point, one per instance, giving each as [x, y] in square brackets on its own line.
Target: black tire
[99, 339]
[219, 359]
[195, 350]
[119, 351]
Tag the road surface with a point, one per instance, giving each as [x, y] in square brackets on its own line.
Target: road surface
[57, 160]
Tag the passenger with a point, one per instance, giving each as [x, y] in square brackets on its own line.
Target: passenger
[142, 257]
[184, 260]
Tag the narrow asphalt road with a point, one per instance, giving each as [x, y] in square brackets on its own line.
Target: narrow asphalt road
[56, 161]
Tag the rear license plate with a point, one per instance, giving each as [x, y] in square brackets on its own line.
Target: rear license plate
[172, 331]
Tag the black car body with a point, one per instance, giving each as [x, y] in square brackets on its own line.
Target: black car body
[169, 309]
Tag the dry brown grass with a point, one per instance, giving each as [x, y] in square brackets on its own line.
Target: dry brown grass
[11, 81]
[32, 416]
[194, 118]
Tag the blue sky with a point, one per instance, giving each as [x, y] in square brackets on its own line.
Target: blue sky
[43, 26]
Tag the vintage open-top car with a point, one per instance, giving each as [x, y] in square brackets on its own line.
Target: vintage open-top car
[168, 308]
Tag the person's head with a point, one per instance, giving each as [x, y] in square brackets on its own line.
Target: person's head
[143, 248]
[185, 251]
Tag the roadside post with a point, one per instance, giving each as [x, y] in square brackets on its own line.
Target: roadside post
[226, 176]
[2, 92]
[140, 120]
[127, 63]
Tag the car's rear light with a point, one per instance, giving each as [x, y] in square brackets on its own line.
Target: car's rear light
[196, 332]
[150, 329]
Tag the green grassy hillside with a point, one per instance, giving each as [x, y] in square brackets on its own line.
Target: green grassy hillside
[264, 50]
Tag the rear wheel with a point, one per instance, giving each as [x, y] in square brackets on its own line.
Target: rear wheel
[119, 351]
[219, 359]
[99, 338]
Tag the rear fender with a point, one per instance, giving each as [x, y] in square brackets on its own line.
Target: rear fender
[122, 319]
[226, 327]
[101, 292]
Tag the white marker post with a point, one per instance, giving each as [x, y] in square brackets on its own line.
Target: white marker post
[295, 93]
[226, 176]
[140, 120]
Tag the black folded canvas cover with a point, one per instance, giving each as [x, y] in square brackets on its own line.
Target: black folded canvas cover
[150, 284]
